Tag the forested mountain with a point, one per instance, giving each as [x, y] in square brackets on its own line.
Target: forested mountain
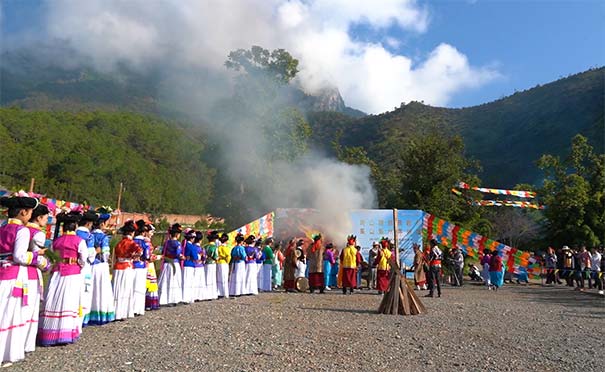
[507, 136]
[84, 156]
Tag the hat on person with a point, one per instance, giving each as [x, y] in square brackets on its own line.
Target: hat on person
[14, 202]
[565, 248]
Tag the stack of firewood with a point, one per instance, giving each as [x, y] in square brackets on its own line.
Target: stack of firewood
[400, 298]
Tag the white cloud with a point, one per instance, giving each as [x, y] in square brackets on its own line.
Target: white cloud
[201, 33]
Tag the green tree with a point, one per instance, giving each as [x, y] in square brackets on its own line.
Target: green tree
[573, 192]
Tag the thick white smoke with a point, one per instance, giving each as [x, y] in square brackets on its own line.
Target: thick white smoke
[201, 33]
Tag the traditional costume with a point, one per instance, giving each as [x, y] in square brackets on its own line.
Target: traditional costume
[435, 257]
[83, 231]
[35, 283]
[171, 279]
[191, 281]
[496, 271]
[260, 258]
[210, 267]
[485, 260]
[329, 261]
[17, 270]
[102, 308]
[277, 269]
[200, 288]
[140, 268]
[290, 268]
[419, 264]
[266, 283]
[222, 267]
[152, 298]
[123, 273]
[348, 262]
[383, 266]
[315, 261]
[237, 280]
[61, 320]
[251, 286]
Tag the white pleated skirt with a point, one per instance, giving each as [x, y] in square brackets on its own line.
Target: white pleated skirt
[171, 284]
[237, 280]
[32, 311]
[13, 321]
[222, 280]
[210, 274]
[86, 273]
[199, 286]
[189, 290]
[60, 322]
[251, 279]
[102, 309]
[259, 276]
[140, 289]
[265, 284]
[123, 293]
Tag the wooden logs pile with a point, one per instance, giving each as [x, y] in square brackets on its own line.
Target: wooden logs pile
[400, 299]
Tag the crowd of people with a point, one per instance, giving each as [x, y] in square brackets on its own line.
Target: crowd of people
[578, 267]
[90, 284]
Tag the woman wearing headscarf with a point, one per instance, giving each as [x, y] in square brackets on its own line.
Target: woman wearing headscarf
[315, 254]
[139, 265]
[222, 267]
[191, 253]
[200, 287]
[15, 258]
[383, 266]
[36, 225]
[329, 262]
[61, 320]
[496, 271]
[102, 309]
[210, 267]
[349, 262]
[237, 280]
[171, 279]
[251, 267]
[123, 272]
[290, 267]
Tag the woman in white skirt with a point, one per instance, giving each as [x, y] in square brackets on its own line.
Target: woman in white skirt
[171, 279]
[251, 287]
[37, 228]
[222, 267]
[61, 320]
[140, 267]
[260, 258]
[191, 289]
[265, 284]
[201, 287]
[14, 260]
[123, 272]
[237, 280]
[210, 265]
[102, 310]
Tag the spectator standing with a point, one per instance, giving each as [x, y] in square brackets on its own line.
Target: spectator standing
[372, 261]
[551, 265]
[595, 266]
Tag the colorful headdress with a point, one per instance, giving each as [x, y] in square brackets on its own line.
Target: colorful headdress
[351, 239]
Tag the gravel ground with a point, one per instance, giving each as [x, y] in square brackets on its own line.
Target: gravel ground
[518, 328]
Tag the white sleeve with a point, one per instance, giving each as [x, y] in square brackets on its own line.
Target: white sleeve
[20, 254]
[37, 241]
[82, 252]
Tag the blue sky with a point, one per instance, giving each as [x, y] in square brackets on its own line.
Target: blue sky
[528, 42]
[525, 42]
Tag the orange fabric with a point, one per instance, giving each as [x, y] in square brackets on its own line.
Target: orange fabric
[125, 250]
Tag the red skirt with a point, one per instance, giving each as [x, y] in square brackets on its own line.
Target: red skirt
[349, 278]
[316, 280]
[382, 280]
[289, 284]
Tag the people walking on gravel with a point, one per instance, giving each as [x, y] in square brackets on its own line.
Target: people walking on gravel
[328, 262]
[171, 279]
[315, 263]
[222, 266]
[550, 263]
[123, 272]
[496, 271]
[237, 279]
[348, 262]
[383, 266]
[60, 322]
[458, 259]
[595, 266]
[568, 265]
[277, 269]
[372, 262]
[418, 267]
[485, 260]
[434, 275]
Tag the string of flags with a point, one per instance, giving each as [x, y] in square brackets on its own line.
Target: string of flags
[498, 203]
